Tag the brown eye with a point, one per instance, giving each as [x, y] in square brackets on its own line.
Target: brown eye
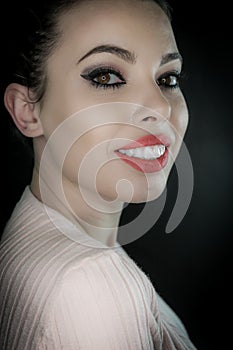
[170, 80]
[103, 78]
[163, 81]
[107, 78]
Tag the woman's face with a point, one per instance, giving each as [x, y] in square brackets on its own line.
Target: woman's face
[113, 81]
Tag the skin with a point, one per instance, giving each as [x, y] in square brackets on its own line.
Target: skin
[145, 108]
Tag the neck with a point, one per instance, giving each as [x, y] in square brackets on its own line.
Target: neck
[101, 223]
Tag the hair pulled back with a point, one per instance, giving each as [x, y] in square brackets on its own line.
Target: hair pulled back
[42, 23]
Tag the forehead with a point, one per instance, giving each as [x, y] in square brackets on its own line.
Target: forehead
[126, 22]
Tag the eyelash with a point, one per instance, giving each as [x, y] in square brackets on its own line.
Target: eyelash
[98, 72]
[170, 75]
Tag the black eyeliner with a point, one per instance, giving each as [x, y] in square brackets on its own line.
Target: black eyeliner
[175, 73]
[91, 74]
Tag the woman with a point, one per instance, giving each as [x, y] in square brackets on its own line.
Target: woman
[102, 102]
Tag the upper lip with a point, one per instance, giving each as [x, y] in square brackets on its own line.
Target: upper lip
[148, 140]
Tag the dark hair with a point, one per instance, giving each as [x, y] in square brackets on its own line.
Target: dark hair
[31, 68]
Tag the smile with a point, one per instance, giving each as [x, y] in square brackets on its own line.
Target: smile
[148, 154]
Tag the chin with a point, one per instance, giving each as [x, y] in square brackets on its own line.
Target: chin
[150, 191]
[142, 198]
[139, 188]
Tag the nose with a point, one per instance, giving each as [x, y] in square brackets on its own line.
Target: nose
[154, 107]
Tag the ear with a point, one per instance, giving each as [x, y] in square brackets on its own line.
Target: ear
[23, 112]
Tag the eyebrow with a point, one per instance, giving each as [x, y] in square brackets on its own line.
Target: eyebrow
[124, 54]
[171, 57]
[127, 55]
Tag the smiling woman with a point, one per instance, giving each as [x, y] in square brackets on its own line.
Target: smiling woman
[107, 117]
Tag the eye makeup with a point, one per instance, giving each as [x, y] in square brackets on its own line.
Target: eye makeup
[170, 79]
[104, 77]
[108, 77]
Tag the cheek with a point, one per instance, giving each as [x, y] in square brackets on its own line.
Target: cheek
[179, 122]
[58, 106]
[88, 155]
[181, 115]
[82, 162]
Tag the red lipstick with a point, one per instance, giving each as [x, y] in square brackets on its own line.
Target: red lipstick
[144, 165]
[148, 140]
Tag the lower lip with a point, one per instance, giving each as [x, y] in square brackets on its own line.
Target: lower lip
[143, 165]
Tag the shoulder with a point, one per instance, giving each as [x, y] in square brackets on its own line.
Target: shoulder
[41, 275]
[98, 301]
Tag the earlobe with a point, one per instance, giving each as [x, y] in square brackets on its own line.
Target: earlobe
[22, 111]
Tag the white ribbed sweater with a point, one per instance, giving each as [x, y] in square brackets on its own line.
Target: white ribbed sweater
[61, 289]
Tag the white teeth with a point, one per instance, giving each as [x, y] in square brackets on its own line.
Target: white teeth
[148, 152]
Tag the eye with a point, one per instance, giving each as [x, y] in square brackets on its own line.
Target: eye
[107, 78]
[169, 80]
[104, 78]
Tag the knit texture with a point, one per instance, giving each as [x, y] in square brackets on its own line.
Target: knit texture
[61, 289]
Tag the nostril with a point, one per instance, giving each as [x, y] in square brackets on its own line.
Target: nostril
[149, 119]
[142, 114]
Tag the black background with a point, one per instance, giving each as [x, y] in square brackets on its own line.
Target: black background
[190, 267]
